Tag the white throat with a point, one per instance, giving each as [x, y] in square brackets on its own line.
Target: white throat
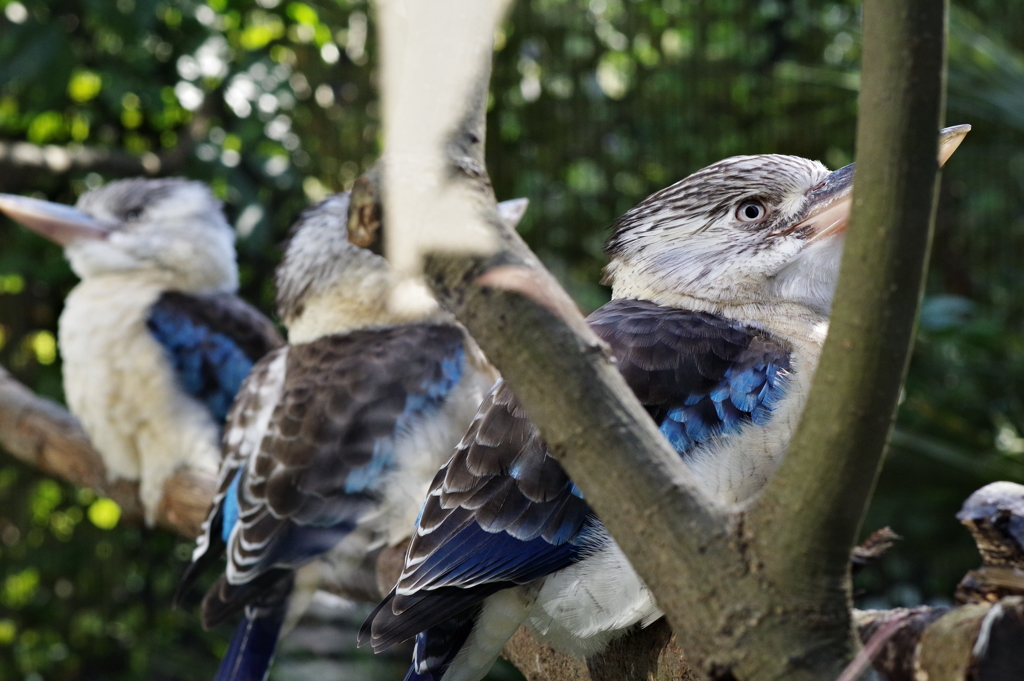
[366, 302]
[798, 324]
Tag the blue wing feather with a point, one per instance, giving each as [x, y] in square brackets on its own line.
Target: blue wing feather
[433, 391]
[209, 365]
[229, 507]
[318, 470]
[698, 375]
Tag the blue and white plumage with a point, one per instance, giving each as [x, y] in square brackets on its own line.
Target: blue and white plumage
[721, 292]
[153, 340]
[334, 438]
[722, 288]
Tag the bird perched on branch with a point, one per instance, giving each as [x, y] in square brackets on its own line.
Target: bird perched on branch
[722, 287]
[334, 438]
[995, 516]
[154, 341]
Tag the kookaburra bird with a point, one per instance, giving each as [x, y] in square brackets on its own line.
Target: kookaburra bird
[995, 516]
[722, 286]
[334, 438]
[154, 341]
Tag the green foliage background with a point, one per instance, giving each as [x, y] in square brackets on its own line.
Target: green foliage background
[594, 105]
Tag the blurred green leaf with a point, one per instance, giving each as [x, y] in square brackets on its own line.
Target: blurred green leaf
[104, 513]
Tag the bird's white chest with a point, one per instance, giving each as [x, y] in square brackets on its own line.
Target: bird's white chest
[735, 466]
[582, 607]
[119, 383]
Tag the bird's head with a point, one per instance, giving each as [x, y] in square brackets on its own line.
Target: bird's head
[995, 516]
[327, 284]
[747, 231]
[172, 229]
[333, 280]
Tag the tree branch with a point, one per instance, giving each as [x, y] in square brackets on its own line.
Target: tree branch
[811, 510]
[21, 157]
[53, 159]
[46, 436]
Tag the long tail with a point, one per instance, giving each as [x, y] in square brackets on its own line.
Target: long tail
[252, 647]
[437, 647]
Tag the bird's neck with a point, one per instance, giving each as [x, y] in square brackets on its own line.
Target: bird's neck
[163, 280]
[368, 303]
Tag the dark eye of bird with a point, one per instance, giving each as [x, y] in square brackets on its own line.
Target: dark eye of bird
[133, 214]
[751, 211]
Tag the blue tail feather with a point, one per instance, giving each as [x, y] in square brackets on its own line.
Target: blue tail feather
[437, 647]
[252, 647]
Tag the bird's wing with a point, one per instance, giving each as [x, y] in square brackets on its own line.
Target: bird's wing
[212, 342]
[502, 511]
[244, 430]
[698, 375]
[330, 442]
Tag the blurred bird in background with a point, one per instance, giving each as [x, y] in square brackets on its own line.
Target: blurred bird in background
[722, 287]
[995, 516]
[333, 440]
[154, 342]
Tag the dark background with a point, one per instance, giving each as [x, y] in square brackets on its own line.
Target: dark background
[594, 106]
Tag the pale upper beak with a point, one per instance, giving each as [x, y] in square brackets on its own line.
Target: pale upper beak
[57, 222]
[828, 206]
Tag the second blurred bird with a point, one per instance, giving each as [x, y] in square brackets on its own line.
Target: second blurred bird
[154, 341]
[334, 438]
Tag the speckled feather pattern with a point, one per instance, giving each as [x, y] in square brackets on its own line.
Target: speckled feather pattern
[770, 177]
[212, 342]
[318, 469]
[503, 512]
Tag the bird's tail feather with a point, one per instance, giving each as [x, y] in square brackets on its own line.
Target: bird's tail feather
[252, 647]
[209, 549]
[437, 647]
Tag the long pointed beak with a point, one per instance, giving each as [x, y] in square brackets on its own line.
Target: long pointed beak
[828, 206]
[57, 222]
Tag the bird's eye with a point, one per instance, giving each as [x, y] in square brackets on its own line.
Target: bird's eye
[751, 211]
[133, 214]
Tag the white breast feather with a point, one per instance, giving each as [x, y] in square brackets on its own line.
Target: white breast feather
[120, 385]
[581, 608]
